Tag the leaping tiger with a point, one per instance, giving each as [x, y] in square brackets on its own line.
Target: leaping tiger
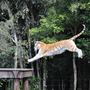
[57, 47]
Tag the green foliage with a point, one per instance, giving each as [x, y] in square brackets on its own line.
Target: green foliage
[6, 58]
[6, 45]
[34, 83]
[56, 22]
[49, 27]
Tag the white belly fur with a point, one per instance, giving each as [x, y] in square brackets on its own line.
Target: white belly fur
[55, 52]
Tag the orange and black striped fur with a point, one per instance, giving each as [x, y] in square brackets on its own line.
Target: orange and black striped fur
[57, 47]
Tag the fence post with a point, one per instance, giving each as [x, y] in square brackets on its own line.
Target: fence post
[16, 84]
[26, 84]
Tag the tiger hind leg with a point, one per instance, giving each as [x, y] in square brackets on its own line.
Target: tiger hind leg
[79, 51]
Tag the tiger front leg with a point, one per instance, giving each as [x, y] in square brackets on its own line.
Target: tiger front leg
[38, 56]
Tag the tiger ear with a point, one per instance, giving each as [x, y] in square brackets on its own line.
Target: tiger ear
[37, 42]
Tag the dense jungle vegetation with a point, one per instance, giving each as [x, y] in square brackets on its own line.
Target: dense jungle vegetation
[22, 22]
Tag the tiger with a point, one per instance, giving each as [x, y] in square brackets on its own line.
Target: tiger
[57, 48]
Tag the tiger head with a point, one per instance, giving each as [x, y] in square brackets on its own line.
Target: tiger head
[38, 45]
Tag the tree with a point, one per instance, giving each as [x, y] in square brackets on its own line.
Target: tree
[66, 20]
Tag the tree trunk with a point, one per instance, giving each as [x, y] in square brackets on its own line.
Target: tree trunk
[44, 75]
[75, 73]
[21, 55]
[16, 50]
